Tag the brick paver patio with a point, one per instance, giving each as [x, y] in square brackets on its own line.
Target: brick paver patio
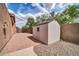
[20, 41]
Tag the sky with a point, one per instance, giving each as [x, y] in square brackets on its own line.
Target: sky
[23, 10]
[34, 8]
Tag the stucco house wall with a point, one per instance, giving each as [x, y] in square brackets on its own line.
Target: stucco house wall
[14, 29]
[1, 35]
[12, 18]
[5, 25]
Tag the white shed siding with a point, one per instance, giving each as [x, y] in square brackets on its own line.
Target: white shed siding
[53, 32]
[44, 33]
[48, 33]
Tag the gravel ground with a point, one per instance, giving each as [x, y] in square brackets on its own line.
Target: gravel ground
[60, 48]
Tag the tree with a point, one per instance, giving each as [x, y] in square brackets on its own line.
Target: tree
[43, 18]
[72, 11]
[30, 23]
[52, 14]
[68, 15]
[38, 18]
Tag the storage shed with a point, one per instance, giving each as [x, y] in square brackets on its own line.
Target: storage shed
[48, 32]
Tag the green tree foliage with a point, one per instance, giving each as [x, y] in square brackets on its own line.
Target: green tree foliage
[68, 15]
[43, 18]
[30, 23]
[52, 14]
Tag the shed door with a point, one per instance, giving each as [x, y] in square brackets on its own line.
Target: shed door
[36, 31]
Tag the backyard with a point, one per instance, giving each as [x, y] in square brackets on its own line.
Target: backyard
[39, 32]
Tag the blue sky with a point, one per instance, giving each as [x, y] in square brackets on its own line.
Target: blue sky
[25, 8]
[21, 10]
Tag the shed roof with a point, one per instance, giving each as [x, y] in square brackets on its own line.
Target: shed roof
[42, 23]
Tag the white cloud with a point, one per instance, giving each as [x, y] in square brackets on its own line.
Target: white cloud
[61, 5]
[47, 6]
[39, 14]
[22, 15]
[20, 20]
[33, 4]
[53, 6]
[20, 8]
[42, 8]
[10, 11]
[16, 15]
[6, 5]
[29, 14]
[25, 3]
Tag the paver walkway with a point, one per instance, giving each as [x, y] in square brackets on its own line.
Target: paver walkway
[20, 41]
[23, 52]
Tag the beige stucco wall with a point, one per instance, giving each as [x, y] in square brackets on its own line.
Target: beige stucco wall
[1, 35]
[13, 25]
[13, 29]
[70, 32]
[4, 20]
[53, 32]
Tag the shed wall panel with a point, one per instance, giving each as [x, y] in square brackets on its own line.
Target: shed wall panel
[53, 32]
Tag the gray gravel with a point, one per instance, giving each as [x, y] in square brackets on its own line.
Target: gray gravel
[60, 48]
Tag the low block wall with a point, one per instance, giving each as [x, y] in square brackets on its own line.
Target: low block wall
[27, 31]
[70, 32]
